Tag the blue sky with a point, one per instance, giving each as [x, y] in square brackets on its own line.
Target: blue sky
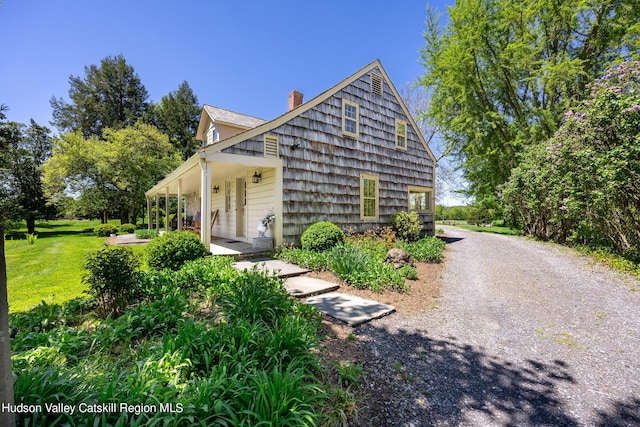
[244, 56]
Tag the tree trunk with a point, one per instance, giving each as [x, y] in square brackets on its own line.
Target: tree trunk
[124, 216]
[31, 225]
[7, 418]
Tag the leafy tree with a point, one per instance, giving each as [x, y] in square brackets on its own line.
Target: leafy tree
[503, 72]
[584, 183]
[113, 171]
[6, 376]
[178, 115]
[109, 96]
[24, 152]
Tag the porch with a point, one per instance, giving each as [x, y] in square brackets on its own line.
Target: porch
[221, 197]
[230, 247]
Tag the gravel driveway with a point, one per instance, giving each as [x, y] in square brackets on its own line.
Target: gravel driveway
[525, 334]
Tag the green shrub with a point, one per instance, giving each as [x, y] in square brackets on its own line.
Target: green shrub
[256, 297]
[321, 236]
[146, 234]
[112, 277]
[362, 271]
[31, 238]
[105, 230]
[211, 272]
[173, 249]
[348, 261]
[427, 249]
[407, 225]
[408, 272]
[127, 228]
[312, 260]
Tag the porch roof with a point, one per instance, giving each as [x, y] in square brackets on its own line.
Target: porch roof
[190, 171]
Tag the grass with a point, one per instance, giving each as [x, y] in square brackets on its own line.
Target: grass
[494, 229]
[248, 357]
[51, 269]
[612, 260]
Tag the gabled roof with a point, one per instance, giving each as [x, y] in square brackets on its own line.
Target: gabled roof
[220, 115]
[279, 121]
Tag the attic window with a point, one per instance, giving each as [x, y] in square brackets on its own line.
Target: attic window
[349, 118]
[401, 134]
[271, 146]
[376, 84]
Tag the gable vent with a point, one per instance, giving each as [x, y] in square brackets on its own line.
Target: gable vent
[271, 146]
[376, 84]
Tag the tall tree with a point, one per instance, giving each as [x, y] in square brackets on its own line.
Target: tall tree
[7, 418]
[503, 72]
[177, 115]
[113, 171]
[24, 178]
[418, 100]
[109, 96]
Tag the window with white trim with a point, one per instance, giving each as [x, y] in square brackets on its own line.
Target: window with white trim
[271, 146]
[420, 199]
[227, 196]
[350, 119]
[401, 134]
[369, 200]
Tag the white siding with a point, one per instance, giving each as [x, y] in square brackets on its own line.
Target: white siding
[260, 201]
[225, 224]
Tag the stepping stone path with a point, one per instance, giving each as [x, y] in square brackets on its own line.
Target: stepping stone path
[348, 308]
[271, 266]
[302, 287]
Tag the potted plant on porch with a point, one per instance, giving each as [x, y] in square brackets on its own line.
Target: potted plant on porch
[262, 242]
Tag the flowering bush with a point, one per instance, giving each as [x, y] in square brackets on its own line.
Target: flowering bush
[583, 184]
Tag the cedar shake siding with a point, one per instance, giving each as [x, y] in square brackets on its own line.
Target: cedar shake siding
[322, 167]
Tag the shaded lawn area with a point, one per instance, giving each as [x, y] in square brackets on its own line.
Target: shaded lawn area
[52, 268]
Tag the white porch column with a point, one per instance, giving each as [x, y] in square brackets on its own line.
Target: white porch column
[149, 217]
[180, 204]
[205, 202]
[166, 209]
[158, 213]
[279, 191]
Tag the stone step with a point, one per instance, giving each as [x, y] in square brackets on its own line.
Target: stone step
[271, 266]
[349, 308]
[302, 287]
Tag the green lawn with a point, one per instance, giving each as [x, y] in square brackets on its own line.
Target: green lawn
[494, 229]
[51, 269]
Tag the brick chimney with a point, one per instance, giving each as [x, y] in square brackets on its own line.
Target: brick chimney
[295, 99]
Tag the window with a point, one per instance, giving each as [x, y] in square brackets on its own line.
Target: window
[212, 134]
[420, 199]
[401, 134]
[349, 118]
[376, 84]
[368, 197]
[227, 196]
[270, 146]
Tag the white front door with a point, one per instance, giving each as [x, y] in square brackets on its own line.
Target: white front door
[241, 203]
